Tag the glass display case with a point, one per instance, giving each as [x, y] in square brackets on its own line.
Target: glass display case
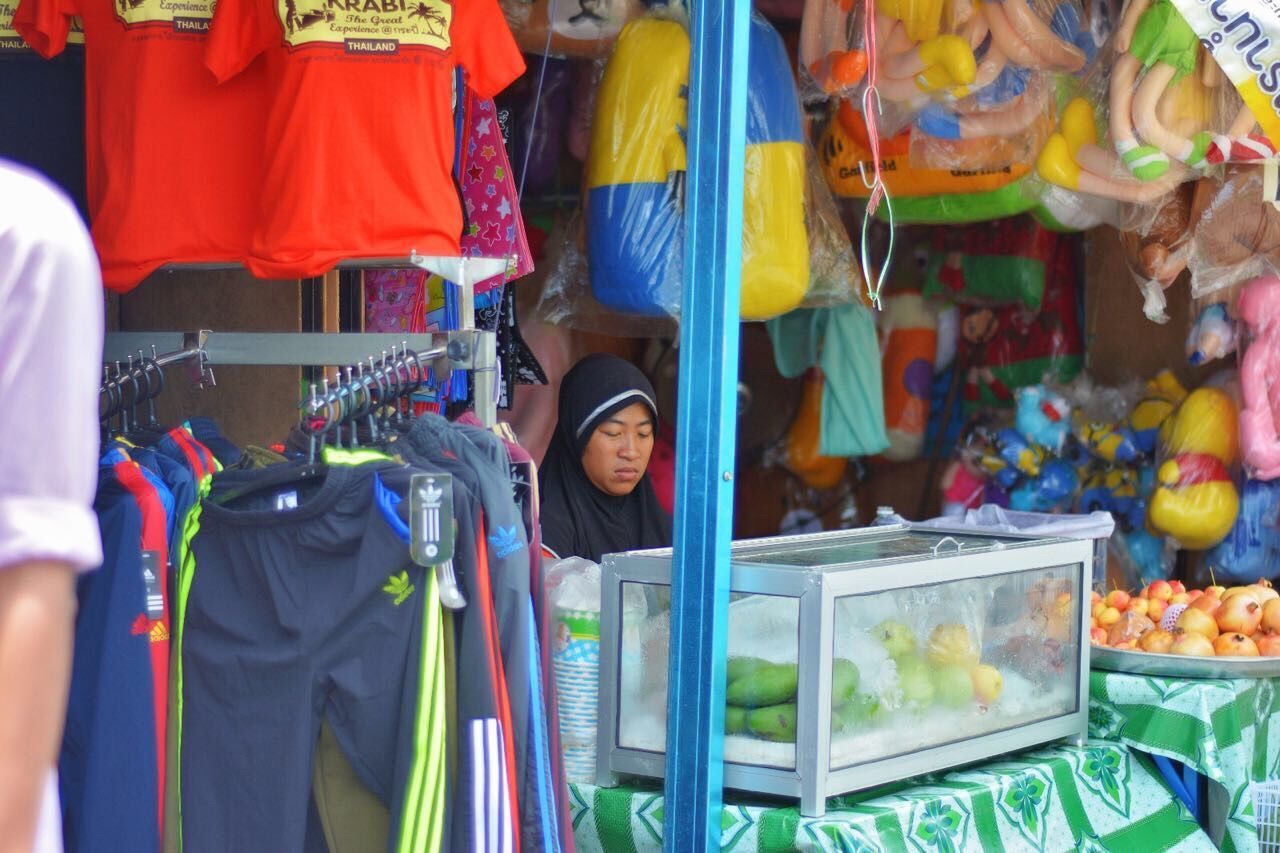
[859, 657]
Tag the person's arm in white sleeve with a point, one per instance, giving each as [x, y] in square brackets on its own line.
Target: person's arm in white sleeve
[51, 330]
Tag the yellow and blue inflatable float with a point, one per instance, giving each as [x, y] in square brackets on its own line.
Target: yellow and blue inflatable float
[636, 174]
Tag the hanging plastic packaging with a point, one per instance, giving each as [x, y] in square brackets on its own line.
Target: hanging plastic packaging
[1259, 309]
[636, 171]
[1237, 237]
[636, 174]
[1162, 101]
[804, 437]
[1195, 500]
[1157, 254]
[1252, 548]
[845, 151]
[1212, 334]
[998, 263]
[832, 59]
[585, 28]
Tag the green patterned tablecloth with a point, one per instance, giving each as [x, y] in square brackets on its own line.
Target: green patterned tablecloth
[1218, 727]
[1062, 798]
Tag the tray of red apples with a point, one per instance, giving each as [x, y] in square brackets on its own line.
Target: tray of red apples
[1167, 629]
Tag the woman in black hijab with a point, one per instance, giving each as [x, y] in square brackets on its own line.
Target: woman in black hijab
[595, 493]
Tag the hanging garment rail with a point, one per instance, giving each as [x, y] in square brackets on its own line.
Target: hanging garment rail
[463, 350]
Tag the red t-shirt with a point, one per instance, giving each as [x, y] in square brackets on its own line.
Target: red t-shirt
[360, 134]
[173, 160]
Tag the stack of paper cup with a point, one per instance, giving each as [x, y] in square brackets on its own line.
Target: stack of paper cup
[576, 663]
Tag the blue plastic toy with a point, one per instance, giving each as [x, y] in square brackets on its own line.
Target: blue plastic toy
[1252, 548]
[1117, 491]
[1043, 418]
[1050, 491]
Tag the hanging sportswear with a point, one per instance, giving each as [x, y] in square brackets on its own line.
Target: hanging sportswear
[173, 159]
[359, 135]
[299, 601]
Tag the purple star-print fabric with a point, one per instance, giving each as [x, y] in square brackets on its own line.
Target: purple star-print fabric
[494, 228]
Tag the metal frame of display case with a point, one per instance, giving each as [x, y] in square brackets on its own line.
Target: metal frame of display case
[812, 779]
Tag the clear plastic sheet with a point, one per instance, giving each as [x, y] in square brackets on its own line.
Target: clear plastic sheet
[567, 299]
[833, 61]
[1157, 254]
[1237, 237]
[834, 275]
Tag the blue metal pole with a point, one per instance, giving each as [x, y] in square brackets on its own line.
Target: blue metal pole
[706, 424]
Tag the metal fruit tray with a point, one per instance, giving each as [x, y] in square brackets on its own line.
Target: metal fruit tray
[1181, 666]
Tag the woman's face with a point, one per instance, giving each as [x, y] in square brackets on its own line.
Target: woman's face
[618, 453]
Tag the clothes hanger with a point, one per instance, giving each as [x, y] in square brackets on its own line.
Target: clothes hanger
[112, 392]
[148, 365]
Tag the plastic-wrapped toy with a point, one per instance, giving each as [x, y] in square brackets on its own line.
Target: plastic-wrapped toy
[1252, 548]
[1237, 237]
[584, 28]
[1259, 309]
[962, 487]
[964, 482]
[1115, 490]
[636, 173]
[1021, 34]
[1043, 417]
[1195, 500]
[1110, 442]
[1206, 422]
[1147, 556]
[830, 47]
[1159, 254]
[909, 343]
[804, 438]
[1049, 491]
[916, 57]
[1164, 393]
[1018, 453]
[1152, 37]
[1212, 335]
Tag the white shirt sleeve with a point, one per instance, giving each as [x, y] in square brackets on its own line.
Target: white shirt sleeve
[51, 327]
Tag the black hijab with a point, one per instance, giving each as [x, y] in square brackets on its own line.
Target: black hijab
[578, 519]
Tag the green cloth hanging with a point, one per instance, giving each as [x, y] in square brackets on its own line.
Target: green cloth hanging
[842, 341]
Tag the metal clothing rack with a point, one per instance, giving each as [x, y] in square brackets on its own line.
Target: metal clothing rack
[465, 349]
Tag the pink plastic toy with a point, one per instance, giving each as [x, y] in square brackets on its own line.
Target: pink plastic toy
[1259, 309]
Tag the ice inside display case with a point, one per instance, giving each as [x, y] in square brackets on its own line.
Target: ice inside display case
[954, 661]
[859, 657]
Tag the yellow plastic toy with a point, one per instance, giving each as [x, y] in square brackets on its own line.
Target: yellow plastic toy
[1195, 501]
[1164, 394]
[1206, 422]
[915, 56]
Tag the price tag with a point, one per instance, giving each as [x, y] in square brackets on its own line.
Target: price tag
[431, 529]
[153, 581]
